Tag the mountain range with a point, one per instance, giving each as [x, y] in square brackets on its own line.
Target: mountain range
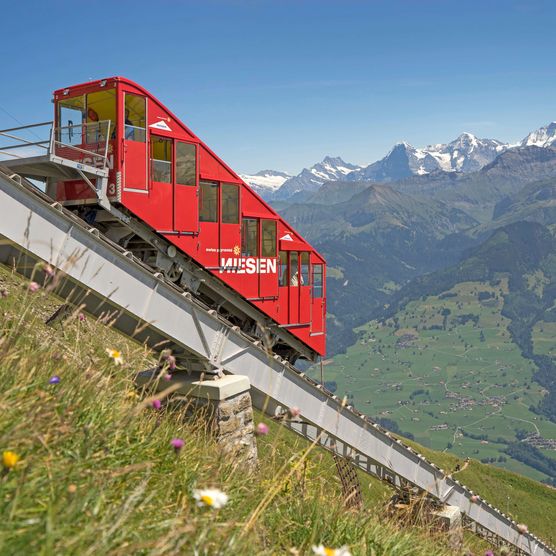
[466, 154]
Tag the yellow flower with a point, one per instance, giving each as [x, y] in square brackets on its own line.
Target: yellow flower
[9, 459]
[115, 355]
[322, 550]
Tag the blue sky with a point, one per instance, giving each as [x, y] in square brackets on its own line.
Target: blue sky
[280, 84]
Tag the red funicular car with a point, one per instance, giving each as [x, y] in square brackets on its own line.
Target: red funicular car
[163, 176]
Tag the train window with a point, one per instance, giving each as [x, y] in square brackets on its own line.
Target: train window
[269, 238]
[230, 204]
[294, 270]
[250, 237]
[70, 118]
[186, 164]
[304, 268]
[100, 113]
[208, 211]
[317, 281]
[161, 159]
[284, 270]
[135, 111]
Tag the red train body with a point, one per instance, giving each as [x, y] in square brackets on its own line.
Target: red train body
[162, 173]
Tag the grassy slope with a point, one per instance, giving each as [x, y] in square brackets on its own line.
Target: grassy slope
[97, 474]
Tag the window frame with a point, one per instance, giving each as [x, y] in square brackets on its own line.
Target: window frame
[275, 232]
[177, 143]
[244, 237]
[135, 128]
[224, 186]
[170, 163]
[213, 185]
[315, 267]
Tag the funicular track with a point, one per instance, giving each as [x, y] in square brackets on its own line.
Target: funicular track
[139, 302]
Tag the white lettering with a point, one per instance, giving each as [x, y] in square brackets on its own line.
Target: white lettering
[250, 265]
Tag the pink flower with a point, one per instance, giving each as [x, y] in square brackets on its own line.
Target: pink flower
[3, 293]
[48, 270]
[489, 553]
[261, 429]
[33, 287]
[294, 412]
[171, 362]
[177, 444]
[167, 376]
[81, 317]
[156, 404]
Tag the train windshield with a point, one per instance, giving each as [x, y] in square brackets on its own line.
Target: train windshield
[89, 118]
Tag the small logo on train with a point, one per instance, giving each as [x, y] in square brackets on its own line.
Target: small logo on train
[247, 265]
[287, 237]
[161, 125]
[237, 250]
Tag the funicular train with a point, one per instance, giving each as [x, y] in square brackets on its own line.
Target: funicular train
[163, 176]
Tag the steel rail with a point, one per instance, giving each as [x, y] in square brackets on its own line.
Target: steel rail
[140, 303]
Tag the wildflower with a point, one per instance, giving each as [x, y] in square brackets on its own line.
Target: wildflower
[72, 489]
[48, 270]
[522, 528]
[54, 380]
[177, 444]
[3, 292]
[157, 404]
[294, 412]
[261, 429]
[115, 355]
[322, 550]
[169, 359]
[132, 394]
[33, 287]
[211, 498]
[489, 553]
[81, 317]
[9, 459]
[167, 377]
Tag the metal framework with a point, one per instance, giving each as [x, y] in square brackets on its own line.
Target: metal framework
[109, 282]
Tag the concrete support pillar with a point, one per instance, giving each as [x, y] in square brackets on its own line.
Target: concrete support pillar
[449, 519]
[224, 402]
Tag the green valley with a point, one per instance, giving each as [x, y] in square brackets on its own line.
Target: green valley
[445, 371]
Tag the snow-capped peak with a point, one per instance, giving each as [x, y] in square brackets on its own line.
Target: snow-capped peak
[266, 181]
[542, 137]
[332, 168]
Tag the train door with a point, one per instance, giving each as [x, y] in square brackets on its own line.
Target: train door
[293, 293]
[186, 204]
[135, 143]
[250, 253]
[283, 285]
[318, 304]
[161, 186]
[229, 235]
[208, 224]
[304, 288]
[268, 278]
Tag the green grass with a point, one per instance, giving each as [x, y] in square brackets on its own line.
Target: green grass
[97, 474]
[430, 368]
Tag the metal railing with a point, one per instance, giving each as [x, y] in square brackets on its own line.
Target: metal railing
[86, 143]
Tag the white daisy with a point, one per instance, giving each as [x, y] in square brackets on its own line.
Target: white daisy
[211, 497]
[115, 355]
